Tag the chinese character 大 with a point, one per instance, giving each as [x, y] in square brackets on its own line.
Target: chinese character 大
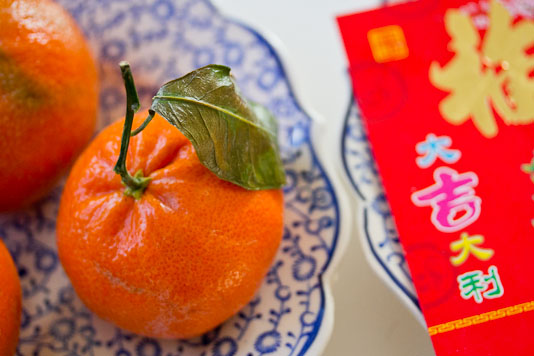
[435, 147]
[469, 245]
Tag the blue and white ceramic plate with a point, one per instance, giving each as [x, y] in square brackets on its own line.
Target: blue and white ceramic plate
[163, 39]
[377, 228]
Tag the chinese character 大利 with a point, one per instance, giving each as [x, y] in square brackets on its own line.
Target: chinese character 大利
[489, 74]
[476, 285]
[472, 285]
[436, 147]
[452, 198]
[469, 245]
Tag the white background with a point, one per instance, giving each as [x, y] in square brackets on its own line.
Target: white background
[369, 319]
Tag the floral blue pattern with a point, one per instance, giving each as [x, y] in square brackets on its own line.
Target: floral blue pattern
[164, 39]
[377, 225]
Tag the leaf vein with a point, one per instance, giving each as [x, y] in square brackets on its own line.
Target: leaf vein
[213, 107]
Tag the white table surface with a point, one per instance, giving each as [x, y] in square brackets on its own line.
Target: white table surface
[369, 319]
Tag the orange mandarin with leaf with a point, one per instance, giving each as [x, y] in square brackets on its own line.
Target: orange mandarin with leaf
[180, 239]
[48, 98]
[10, 303]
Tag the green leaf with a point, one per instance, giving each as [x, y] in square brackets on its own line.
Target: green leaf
[234, 138]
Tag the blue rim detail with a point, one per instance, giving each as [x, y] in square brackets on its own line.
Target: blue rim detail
[343, 145]
[401, 287]
[315, 331]
[394, 279]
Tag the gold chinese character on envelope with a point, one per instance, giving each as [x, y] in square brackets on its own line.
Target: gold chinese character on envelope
[488, 75]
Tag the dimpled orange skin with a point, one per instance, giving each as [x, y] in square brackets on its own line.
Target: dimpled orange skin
[183, 258]
[48, 98]
[10, 303]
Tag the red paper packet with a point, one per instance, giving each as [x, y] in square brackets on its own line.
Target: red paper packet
[446, 89]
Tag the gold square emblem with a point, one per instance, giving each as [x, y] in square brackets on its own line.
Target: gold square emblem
[387, 43]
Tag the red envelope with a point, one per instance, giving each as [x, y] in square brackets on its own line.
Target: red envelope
[446, 89]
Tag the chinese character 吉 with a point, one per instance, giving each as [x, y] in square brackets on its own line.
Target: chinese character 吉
[452, 198]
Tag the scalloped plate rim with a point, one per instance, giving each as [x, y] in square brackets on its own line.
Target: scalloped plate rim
[364, 233]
